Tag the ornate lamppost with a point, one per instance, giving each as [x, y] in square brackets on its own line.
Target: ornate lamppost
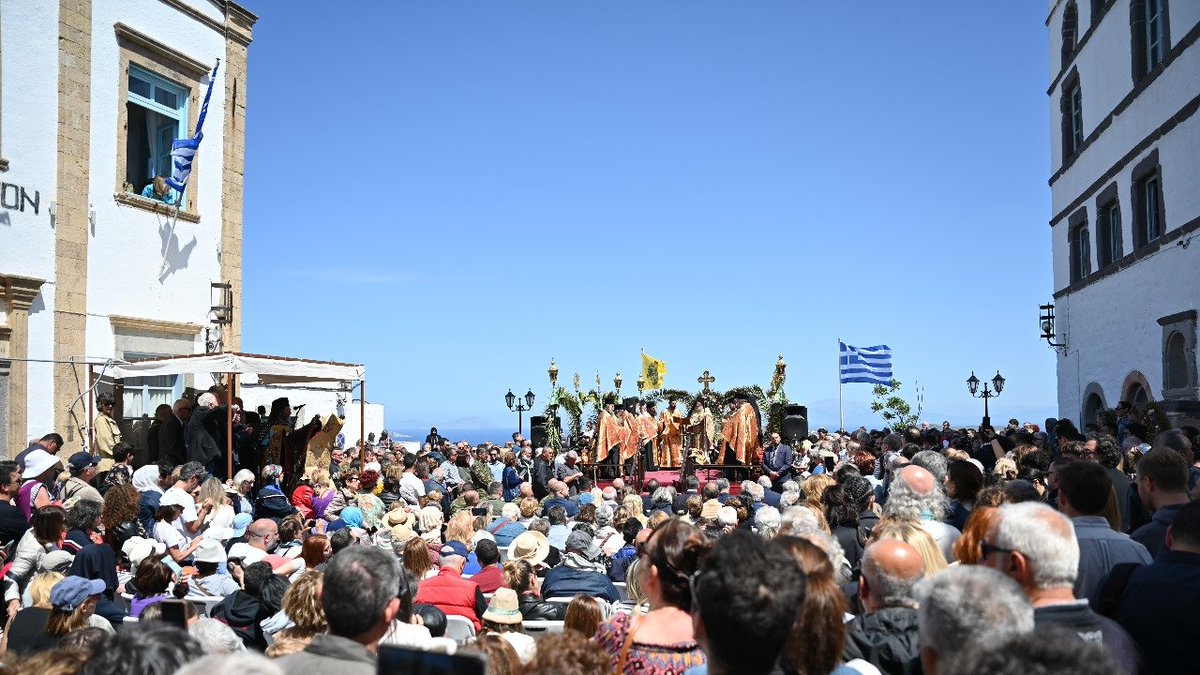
[997, 387]
[521, 407]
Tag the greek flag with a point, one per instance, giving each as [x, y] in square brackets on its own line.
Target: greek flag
[183, 151]
[867, 365]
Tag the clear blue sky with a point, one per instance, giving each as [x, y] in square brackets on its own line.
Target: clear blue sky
[454, 192]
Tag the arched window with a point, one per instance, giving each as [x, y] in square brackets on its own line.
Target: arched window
[1092, 405]
[1138, 395]
[1176, 374]
[1070, 31]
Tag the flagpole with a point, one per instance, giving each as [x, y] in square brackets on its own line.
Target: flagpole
[841, 408]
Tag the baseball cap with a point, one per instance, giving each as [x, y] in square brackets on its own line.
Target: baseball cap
[240, 522]
[82, 460]
[68, 594]
[455, 548]
[172, 498]
[581, 543]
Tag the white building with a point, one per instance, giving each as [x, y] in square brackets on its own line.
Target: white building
[1125, 160]
[92, 92]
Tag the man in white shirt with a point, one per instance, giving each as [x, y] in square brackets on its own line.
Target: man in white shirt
[412, 489]
[191, 476]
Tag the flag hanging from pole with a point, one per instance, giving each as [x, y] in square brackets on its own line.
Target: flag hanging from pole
[183, 150]
[866, 365]
[653, 372]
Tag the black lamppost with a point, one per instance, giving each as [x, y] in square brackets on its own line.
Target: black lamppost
[973, 387]
[521, 406]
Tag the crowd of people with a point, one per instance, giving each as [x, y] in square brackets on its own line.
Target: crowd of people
[915, 551]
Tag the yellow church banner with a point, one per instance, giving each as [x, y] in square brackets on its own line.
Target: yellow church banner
[653, 372]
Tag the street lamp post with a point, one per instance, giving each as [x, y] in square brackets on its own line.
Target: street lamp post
[997, 387]
[520, 407]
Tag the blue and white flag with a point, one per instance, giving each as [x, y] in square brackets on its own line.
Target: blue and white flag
[867, 365]
[183, 151]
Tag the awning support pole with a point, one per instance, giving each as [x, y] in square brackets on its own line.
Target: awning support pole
[230, 380]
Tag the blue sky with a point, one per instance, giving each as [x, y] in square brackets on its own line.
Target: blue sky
[454, 192]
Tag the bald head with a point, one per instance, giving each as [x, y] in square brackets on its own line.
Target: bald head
[920, 480]
[618, 483]
[262, 533]
[890, 568]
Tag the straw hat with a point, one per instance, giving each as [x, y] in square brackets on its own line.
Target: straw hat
[531, 546]
[402, 533]
[503, 608]
[398, 516]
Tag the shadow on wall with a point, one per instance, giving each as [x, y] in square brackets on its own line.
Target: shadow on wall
[174, 257]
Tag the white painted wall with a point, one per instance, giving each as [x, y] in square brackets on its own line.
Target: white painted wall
[28, 137]
[125, 245]
[1111, 325]
[125, 248]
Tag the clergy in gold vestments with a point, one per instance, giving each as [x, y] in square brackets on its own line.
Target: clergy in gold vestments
[629, 442]
[320, 446]
[670, 440]
[703, 429]
[609, 434]
[740, 432]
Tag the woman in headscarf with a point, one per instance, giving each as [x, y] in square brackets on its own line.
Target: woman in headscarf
[302, 499]
[351, 517]
[272, 503]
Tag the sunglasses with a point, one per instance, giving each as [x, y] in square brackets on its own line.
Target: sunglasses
[988, 549]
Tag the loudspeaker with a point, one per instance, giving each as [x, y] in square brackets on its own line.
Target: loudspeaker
[795, 423]
[537, 431]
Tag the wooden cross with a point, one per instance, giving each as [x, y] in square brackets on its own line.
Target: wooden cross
[706, 380]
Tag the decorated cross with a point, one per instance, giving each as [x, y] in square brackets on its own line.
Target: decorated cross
[706, 380]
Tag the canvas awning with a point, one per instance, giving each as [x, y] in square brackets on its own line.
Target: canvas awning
[268, 369]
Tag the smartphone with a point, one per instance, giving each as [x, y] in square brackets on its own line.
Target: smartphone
[174, 613]
[480, 511]
[402, 661]
[829, 462]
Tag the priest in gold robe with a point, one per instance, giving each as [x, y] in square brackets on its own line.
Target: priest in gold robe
[670, 437]
[703, 430]
[740, 434]
[610, 434]
[648, 435]
[629, 443]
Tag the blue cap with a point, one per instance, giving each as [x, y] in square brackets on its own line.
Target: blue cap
[455, 548]
[240, 522]
[68, 594]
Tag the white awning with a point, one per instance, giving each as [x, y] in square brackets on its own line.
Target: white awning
[269, 369]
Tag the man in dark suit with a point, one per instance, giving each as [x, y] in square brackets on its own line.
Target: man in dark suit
[691, 486]
[543, 473]
[171, 448]
[777, 462]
